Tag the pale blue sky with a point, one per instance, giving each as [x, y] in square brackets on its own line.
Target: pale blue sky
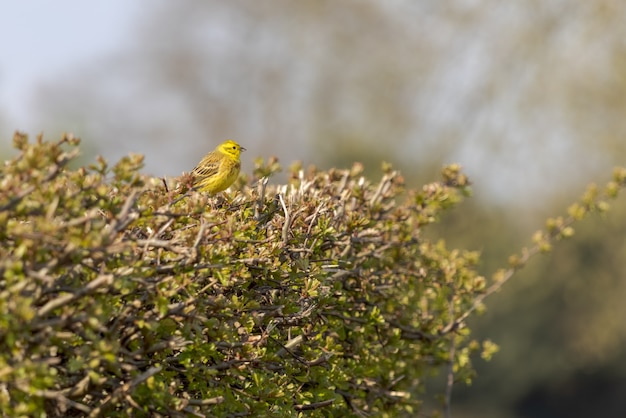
[40, 39]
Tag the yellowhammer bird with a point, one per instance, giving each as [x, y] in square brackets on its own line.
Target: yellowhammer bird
[219, 168]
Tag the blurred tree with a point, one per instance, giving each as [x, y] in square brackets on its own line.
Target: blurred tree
[498, 86]
[301, 78]
[559, 323]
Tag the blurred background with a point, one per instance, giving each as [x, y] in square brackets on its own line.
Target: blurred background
[530, 97]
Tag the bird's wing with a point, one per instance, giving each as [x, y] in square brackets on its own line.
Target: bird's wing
[208, 167]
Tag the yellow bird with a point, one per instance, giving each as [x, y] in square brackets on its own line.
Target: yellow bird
[219, 168]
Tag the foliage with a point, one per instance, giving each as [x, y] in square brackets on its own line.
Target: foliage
[319, 297]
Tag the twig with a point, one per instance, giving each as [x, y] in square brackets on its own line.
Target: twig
[308, 231]
[312, 406]
[122, 390]
[382, 187]
[287, 219]
[286, 348]
[58, 396]
[122, 220]
[450, 376]
[201, 230]
[347, 397]
[211, 401]
[262, 184]
[491, 290]
[103, 280]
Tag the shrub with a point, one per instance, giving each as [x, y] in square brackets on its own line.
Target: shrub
[319, 297]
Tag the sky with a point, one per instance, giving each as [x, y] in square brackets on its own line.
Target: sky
[41, 39]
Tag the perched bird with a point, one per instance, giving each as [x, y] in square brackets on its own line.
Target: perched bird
[219, 168]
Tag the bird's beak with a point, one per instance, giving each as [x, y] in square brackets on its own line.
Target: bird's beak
[243, 149]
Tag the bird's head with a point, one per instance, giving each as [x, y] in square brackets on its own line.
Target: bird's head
[231, 148]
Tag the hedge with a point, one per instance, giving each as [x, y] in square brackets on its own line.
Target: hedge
[122, 295]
